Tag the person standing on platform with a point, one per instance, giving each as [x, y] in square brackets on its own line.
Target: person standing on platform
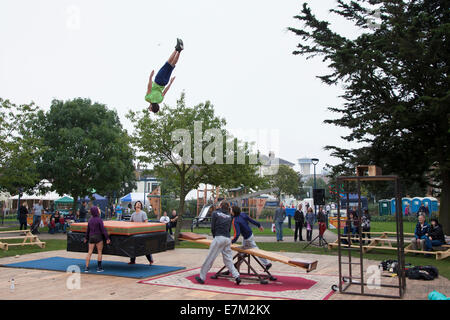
[139, 216]
[278, 219]
[299, 218]
[220, 229]
[94, 234]
[38, 210]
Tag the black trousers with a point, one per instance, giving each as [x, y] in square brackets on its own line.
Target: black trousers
[23, 224]
[149, 258]
[298, 231]
[309, 234]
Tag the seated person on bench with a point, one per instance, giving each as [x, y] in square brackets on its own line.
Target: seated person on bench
[420, 234]
[436, 237]
[60, 223]
[51, 225]
[240, 225]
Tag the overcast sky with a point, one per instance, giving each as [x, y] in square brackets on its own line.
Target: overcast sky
[238, 55]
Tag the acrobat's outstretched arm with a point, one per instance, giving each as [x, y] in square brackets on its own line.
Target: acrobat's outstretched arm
[168, 86]
[150, 82]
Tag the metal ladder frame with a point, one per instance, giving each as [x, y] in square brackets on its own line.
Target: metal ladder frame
[400, 241]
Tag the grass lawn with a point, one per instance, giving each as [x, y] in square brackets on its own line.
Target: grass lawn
[49, 246]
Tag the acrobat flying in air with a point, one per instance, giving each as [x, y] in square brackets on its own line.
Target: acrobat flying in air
[156, 90]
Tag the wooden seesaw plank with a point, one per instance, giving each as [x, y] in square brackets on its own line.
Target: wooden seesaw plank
[304, 264]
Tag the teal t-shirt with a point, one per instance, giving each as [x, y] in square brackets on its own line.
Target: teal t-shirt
[156, 95]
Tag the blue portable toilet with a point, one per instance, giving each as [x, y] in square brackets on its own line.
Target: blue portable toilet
[393, 206]
[433, 204]
[405, 202]
[416, 203]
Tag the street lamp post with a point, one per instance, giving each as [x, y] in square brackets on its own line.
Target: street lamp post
[314, 162]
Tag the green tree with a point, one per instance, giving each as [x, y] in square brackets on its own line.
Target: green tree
[396, 87]
[320, 184]
[287, 180]
[172, 141]
[20, 148]
[88, 149]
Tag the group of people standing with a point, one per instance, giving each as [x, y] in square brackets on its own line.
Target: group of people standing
[37, 211]
[307, 219]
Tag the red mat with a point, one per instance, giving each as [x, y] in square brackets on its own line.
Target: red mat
[288, 285]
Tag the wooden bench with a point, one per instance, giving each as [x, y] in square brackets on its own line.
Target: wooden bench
[27, 236]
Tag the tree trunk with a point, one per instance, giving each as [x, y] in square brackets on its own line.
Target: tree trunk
[180, 210]
[180, 218]
[444, 209]
[74, 206]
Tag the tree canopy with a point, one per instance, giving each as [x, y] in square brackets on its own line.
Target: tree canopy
[189, 146]
[87, 149]
[287, 180]
[20, 147]
[396, 87]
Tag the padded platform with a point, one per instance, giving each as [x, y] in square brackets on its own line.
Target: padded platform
[307, 265]
[112, 268]
[126, 246]
[123, 228]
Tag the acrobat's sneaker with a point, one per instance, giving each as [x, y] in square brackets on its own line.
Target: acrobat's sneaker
[86, 270]
[100, 269]
[180, 45]
[199, 280]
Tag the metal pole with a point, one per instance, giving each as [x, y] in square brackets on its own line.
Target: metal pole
[314, 188]
[400, 249]
[360, 237]
[349, 234]
[339, 240]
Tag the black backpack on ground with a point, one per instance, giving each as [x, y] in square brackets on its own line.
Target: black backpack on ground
[422, 273]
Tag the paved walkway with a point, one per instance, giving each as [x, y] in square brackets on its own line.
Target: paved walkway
[51, 285]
